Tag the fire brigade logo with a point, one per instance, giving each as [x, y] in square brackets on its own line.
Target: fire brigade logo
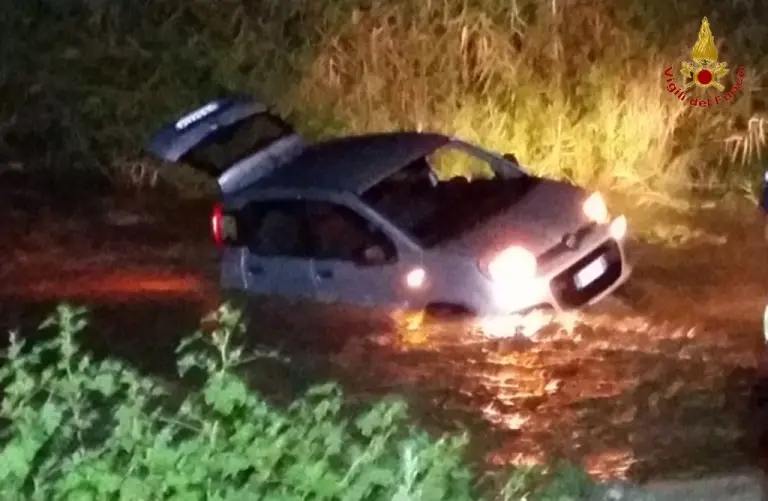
[705, 70]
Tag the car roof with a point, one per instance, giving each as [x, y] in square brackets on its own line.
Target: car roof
[353, 163]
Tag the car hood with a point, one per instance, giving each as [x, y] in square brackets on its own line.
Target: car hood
[537, 221]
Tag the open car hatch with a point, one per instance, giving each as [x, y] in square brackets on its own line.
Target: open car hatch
[235, 140]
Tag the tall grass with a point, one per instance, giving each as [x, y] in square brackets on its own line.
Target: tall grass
[575, 89]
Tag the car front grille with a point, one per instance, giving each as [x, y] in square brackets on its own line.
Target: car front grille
[564, 287]
[560, 248]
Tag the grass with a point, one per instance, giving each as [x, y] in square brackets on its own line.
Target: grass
[209, 435]
[574, 89]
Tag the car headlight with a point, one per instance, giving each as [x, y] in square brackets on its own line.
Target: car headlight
[595, 209]
[512, 264]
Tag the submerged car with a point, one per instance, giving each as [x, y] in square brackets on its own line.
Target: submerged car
[405, 220]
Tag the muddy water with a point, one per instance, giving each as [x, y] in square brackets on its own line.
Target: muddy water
[623, 397]
[661, 389]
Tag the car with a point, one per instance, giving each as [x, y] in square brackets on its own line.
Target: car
[404, 220]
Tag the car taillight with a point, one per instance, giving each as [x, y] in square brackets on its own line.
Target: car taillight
[217, 224]
[224, 226]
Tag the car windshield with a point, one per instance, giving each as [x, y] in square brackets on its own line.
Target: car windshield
[440, 196]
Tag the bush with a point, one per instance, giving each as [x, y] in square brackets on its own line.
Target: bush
[80, 429]
[575, 89]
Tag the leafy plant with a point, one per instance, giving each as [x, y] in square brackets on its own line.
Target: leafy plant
[76, 428]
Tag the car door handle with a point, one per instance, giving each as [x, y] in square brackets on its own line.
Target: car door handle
[324, 274]
[256, 269]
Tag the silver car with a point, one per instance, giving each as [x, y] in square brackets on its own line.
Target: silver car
[403, 220]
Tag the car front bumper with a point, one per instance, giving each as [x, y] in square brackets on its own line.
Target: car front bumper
[556, 285]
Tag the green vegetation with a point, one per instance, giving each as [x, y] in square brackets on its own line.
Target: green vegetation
[75, 428]
[576, 91]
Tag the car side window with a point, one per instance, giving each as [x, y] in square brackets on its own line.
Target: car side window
[340, 233]
[278, 228]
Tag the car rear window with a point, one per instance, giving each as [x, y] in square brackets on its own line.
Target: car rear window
[230, 144]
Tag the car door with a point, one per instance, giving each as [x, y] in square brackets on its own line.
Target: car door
[341, 236]
[278, 262]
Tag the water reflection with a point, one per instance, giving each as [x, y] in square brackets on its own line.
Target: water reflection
[627, 396]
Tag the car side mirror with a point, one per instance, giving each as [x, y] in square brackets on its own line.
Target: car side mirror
[511, 157]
